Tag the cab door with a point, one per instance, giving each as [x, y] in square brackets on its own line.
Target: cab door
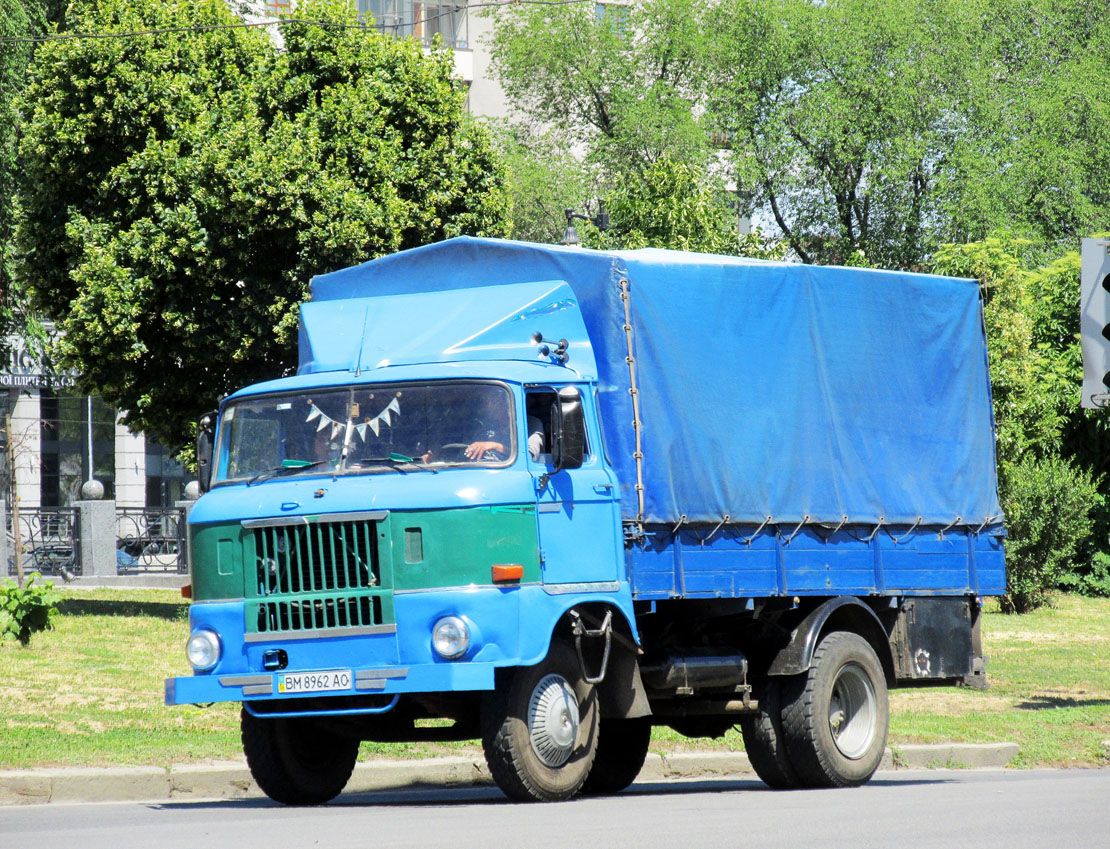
[577, 512]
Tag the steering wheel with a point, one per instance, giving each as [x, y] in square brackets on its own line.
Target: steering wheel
[453, 450]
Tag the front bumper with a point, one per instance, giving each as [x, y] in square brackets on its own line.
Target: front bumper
[508, 627]
[425, 678]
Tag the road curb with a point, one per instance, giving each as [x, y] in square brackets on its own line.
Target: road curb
[232, 780]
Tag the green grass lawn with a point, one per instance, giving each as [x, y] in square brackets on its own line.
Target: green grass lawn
[90, 691]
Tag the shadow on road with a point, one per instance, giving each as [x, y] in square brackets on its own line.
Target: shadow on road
[440, 797]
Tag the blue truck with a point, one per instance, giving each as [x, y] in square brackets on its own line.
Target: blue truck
[551, 497]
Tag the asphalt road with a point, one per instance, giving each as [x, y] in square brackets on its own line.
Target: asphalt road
[919, 809]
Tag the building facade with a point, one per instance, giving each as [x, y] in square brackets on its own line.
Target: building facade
[55, 439]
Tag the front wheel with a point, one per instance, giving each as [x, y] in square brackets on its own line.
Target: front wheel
[295, 761]
[622, 748]
[540, 732]
[835, 716]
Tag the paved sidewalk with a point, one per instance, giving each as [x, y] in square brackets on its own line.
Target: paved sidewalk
[232, 780]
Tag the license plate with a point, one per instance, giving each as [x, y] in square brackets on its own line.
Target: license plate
[314, 682]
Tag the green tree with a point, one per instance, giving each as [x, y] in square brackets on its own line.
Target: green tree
[673, 206]
[1034, 149]
[1050, 502]
[840, 115]
[865, 130]
[180, 190]
[619, 83]
[20, 22]
[545, 179]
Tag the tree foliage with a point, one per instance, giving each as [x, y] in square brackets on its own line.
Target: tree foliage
[863, 130]
[20, 21]
[673, 206]
[620, 83]
[180, 190]
[1050, 501]
[545, 179]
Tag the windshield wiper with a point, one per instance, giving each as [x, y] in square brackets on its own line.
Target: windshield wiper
[286, 466]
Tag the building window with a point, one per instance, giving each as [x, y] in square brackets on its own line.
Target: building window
[615, 14]
[66, 429]
[165, 477]
[279, 7]
[423, 21]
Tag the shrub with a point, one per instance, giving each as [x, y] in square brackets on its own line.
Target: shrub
[1048, 504]
[1090, 580]
[27, 609]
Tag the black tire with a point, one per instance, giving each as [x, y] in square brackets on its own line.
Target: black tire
[763, 739]
[622, 747]
[295, 761]
[552, 690]
[835, 717]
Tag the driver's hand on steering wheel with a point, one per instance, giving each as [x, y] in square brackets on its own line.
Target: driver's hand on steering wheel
[476, 450]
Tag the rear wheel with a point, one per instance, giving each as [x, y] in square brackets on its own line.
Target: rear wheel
[622, 747]
[764, 741]
[835, 717]
[540, 732]
[296, 761]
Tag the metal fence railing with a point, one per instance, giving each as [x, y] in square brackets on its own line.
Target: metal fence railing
[48, 541]
[150, 539]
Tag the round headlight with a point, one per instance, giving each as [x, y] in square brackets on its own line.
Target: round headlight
[450, 637]
[203, 649]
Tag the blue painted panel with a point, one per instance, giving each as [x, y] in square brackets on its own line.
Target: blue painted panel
[848, 562]
[990, 564]
[579, 525]
[493, 322]
[509, 627]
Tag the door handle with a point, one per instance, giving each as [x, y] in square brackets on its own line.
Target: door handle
[603, 487]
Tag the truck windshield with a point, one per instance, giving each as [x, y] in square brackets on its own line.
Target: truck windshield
[365, 430]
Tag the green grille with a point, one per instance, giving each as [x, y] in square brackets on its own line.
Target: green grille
[318, 613]
[322, 575]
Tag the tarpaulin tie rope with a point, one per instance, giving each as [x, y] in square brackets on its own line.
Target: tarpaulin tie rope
[834, 531]
[748, 541]
[906, 534]
[714, 531]
[949, 526]
[681, 522]
[882, 522]
[805, 519]
[978, 530]
[637, 424]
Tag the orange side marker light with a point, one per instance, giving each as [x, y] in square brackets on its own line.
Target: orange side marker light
[507, 572]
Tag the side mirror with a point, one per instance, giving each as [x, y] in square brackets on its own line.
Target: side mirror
[206, 431]
[569, 440]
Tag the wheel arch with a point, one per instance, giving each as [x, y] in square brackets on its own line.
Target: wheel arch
[844, 613]
[621, 693]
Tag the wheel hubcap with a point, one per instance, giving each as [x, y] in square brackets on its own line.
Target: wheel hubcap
[553, 720]
[852, 711]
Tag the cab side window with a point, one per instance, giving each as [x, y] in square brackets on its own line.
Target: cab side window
[542, 411]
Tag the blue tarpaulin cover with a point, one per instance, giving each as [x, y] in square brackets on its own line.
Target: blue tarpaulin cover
[800, 393]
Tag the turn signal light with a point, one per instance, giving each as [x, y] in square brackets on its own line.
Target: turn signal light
[505, 572]
[187, 591]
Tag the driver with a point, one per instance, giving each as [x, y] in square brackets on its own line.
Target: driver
[489, 431]
[479, 449]
[489, 427]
